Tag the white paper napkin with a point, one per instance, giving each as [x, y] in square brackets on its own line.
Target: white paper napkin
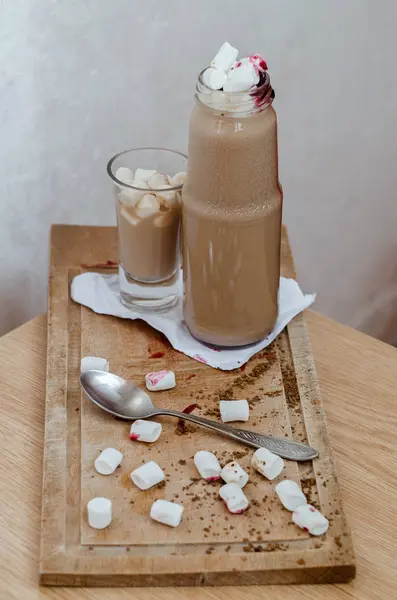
[101, 294]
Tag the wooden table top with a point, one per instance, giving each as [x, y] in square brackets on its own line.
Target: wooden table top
[358, 385]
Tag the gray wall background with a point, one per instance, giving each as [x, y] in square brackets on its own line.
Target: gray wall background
[82, 79]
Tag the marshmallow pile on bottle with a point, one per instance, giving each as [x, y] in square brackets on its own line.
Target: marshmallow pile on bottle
[231, 75]
[152, 195]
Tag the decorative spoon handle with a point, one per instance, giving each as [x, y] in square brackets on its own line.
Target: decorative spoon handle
[285, 448]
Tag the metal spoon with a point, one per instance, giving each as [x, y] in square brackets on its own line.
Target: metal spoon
[126, 400]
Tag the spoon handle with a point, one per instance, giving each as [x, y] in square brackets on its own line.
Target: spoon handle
[281, 446]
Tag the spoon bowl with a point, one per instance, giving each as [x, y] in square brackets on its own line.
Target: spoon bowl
[117, 396]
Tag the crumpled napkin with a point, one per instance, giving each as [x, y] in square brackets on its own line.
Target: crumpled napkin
[101, 294]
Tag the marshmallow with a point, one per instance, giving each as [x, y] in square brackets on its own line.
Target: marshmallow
[169, 513]
[147, 475]
[240, 62]
[99, 513]
[233, 473]
[207, 465]
[177, 179]
[234, 498]
[309, 518]
[125, 214]
[160, 380]
[124, 175]
[290, 494]
[225, 57]
[140, 183]
[268, 464]
[145, 431]
[147, 205]
[93, 363]
[131, 197]
[108, 461]
[241, 79]
[164, 219]
[157, 181]
[234, 410]
[144, 174]
[165, 197]
[214, 78]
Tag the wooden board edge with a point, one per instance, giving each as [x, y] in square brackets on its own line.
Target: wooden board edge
[315, 421]
[299, 575]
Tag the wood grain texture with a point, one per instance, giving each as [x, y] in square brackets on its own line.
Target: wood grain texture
[210, 547]
[357, 380]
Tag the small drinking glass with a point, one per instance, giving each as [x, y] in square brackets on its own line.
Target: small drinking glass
[147, 185]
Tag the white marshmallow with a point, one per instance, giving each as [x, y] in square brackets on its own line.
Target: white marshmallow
[125, 214]
[93, 363]
[234, 498]
[147, 475]
[290, 494]
[147, 205]
[225, 57]
[234, 410]
[140, 183]
[145, 431]
[125, 175]
[131, 197]
[160, 380]
[233, 473]
[144, 174]
[268, 464]
[169, 513]
[167, 198]
[207, 465]
[214, 78]
[240, 62]
[99, 513]
[241, 79]
[164, 219]
[309, 518]
[178, 179]
[108, 461]
[157, 181]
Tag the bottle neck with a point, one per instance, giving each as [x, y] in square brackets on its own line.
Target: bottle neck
[238, 104]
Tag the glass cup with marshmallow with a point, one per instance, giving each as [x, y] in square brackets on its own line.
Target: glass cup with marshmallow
[147, 184]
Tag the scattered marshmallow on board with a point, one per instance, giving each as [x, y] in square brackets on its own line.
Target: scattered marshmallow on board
[145, 431]
[310, 519]
[147, 475]
[290, 494]
[268, 464]
[93, 363]
[160, 380]
[207, 465]
[99, 513]
[234, 498]
[169, 513]
[234, 410]
[108, 461]
[234, 473]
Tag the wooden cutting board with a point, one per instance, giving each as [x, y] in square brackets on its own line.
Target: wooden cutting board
[211, 547]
